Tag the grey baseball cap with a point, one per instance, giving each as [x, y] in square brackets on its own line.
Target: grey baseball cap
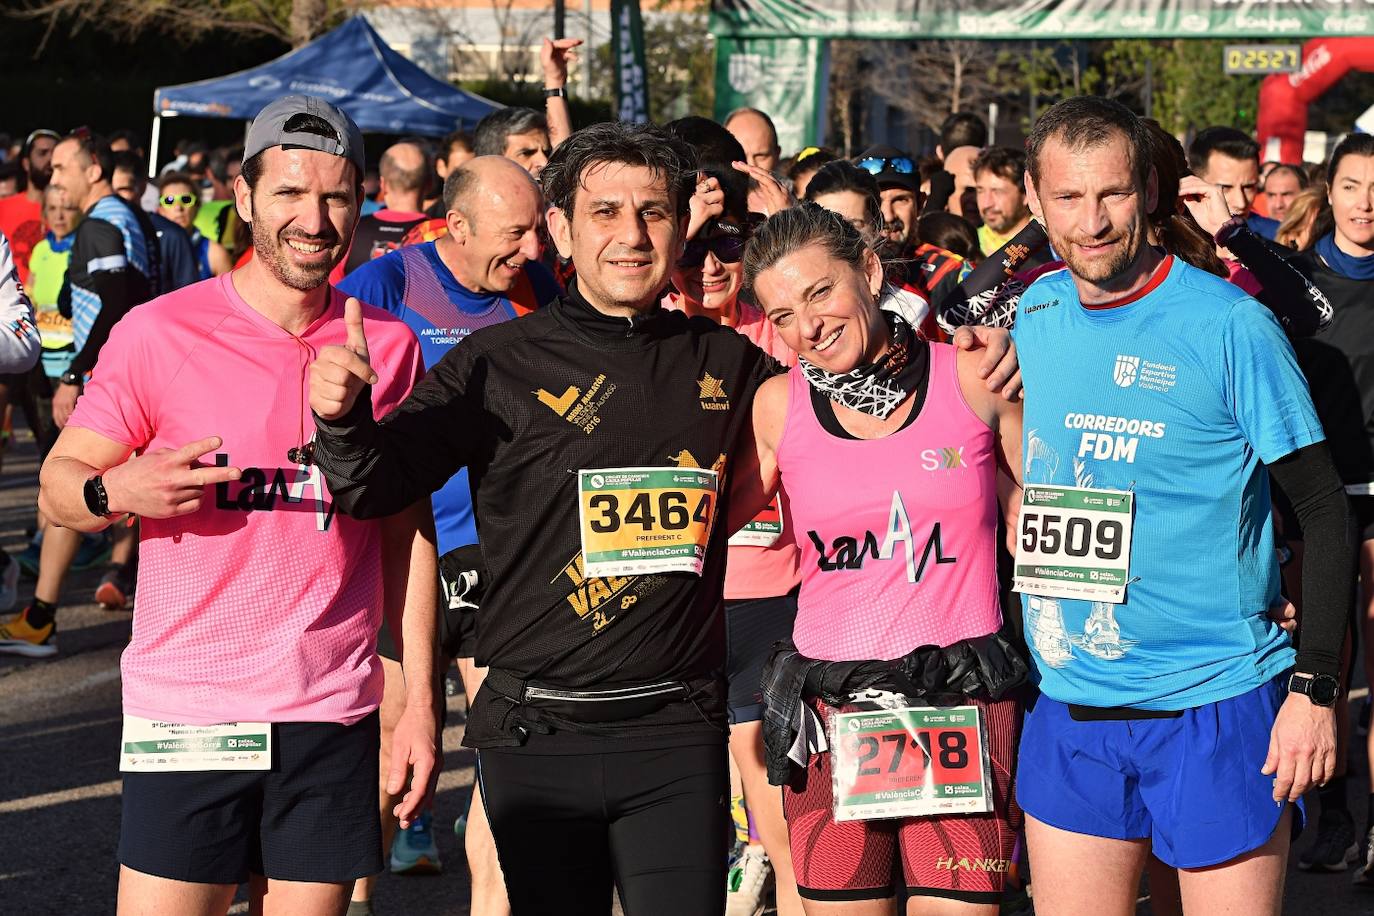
[273, 127]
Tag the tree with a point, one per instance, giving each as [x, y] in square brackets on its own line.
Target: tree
[847, 92]
[679, 54]
[293, 21]
[1050, 73]
[932, 79]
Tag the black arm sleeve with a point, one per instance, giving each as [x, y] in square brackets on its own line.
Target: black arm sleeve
[377, 469]
[1308, 477]
[990, 293]
[1299, 306]
[115, 302]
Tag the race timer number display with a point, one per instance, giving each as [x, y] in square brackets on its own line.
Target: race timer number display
[1263, 58]
[1074, 542]
[909, 762]
[636, 521]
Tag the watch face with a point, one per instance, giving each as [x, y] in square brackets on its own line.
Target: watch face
[1324, 690]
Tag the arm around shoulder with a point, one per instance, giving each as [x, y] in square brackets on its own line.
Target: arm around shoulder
[754, 475]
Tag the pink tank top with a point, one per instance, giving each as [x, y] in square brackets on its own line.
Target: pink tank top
[897, 535]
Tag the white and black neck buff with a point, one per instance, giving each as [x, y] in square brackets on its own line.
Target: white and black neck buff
[880, 387]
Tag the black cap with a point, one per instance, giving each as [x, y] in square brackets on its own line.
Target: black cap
[890, 177]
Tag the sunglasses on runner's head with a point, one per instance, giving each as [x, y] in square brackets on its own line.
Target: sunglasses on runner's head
[877, 164]
[728, 249]
[171, 200]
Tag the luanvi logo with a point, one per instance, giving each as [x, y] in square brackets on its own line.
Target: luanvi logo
[285, 492]
[578, 408]
[712, 393]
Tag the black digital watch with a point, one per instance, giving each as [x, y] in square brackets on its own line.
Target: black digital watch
[1321, 689]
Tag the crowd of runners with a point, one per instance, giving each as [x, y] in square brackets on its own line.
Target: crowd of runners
[932, 534]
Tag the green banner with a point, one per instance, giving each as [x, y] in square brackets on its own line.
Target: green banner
[627, 52]
[1046, 19]
[786, 77]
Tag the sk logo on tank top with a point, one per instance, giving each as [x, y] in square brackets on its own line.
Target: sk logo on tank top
[847, 552]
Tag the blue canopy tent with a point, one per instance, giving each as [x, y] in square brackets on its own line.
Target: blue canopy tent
[353, 68]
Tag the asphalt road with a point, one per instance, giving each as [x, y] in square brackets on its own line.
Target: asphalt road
[59, 782]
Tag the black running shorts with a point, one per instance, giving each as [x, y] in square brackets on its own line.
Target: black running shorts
[752, 626]
[311, 817]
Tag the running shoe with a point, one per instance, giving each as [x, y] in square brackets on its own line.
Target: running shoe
[28, 558]
[94, 551]
[116, 589]
[1364, 875]
[746, 888]
[414, 852]
[9, 584]
[1336, 846]
[18, 638]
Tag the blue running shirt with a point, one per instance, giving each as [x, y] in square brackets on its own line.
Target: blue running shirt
[1179, 395]
[416, 286]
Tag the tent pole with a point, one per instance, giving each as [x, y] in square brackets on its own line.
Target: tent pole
[152, 147]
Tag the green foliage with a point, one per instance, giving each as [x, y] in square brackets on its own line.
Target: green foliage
[679, 54]
[1192, 92]
[1049, 73]
[1180, 82]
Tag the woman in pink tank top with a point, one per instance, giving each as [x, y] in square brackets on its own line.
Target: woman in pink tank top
[890, 449]
[761, 575]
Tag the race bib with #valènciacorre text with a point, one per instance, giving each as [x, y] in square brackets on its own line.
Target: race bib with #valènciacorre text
[1074, 542]
[909, 762]
[636, 521]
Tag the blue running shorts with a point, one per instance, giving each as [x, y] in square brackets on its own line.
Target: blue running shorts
[1191, 785]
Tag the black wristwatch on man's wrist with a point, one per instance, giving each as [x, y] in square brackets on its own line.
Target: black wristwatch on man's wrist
[97, 500]
[69, 378]
[1321, 689]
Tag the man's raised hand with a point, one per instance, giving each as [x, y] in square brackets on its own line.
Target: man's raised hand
[166, 482]
[338, 374]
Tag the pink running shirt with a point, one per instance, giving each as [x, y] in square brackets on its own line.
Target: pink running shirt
[264, 605]
[898, 535]
[752, 571]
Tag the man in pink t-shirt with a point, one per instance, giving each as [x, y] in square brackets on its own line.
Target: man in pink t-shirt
[258, 604]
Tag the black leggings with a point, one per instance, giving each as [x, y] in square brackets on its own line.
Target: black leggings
[566, 825]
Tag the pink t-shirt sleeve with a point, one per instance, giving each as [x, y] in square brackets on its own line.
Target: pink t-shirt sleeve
[118, 402]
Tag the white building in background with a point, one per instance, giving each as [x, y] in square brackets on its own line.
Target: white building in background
[468, 41]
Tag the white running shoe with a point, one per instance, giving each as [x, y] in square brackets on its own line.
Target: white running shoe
[746, 889]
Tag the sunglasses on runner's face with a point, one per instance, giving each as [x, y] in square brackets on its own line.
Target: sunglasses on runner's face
[171, 200]
[728, 249]
[876, 164]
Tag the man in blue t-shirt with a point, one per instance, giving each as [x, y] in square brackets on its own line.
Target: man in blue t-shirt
[484, 270]
[1159, 401]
